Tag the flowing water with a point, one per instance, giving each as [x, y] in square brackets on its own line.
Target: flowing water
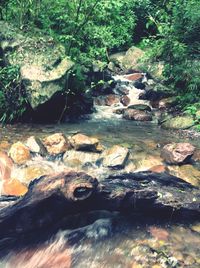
[109, 240]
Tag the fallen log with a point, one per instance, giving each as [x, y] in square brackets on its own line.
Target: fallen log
[51, 200]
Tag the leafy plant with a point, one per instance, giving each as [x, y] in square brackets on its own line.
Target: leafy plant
[12, 97]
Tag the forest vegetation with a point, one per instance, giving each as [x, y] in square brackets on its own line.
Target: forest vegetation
[168, 30]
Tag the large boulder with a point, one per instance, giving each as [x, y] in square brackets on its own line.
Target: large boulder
[178, 122]
[129, 59]
[177, 153]
[43, 64]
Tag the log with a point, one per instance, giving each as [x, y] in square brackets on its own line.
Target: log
[52, 200]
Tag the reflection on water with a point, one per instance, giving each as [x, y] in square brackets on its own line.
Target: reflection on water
[112, 242]
[124, 244]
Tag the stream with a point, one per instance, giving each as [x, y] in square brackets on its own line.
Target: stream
[108, 240]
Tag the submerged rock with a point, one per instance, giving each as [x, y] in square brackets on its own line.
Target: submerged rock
[76, 159]
[179, 122]
[187, 173]
[177, 153]
[115, 157]
[136, 115]
[56, 144]
[34, 171]
[83, 142]
[19, 153]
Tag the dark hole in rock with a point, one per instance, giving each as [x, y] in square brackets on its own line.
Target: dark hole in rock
[81, 192]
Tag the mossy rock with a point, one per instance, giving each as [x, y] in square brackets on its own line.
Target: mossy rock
[43, 64]
[129, 59]
[179, 122]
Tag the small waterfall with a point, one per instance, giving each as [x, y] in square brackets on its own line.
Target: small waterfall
[107, 108]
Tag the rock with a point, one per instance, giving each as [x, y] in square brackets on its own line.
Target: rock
[4, 146]
[139, 85]
[177, 153]
[77, 159]
[159, 233]
[196, 228]
[145, 161]
[166, 103]
[36, 146]
[14, 187]
[19, 153]
[179, 122]
[158, 169]
[82, 142]
[107, 100]
[136, 115]
[42, 61]
[127, 60]
[56, 144]
[141, 107]
[196, 155]
[115, 157]
[6, 165]
[34, 171]
[187, 173]
[125, 100]
[134, 76]
[119, 111]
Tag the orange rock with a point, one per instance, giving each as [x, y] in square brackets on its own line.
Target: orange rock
[19, 153]
[56, 144]
[6, 165]
[134, 77]
[14, 187]
[85, 143]
[4, 145]
[158, 169]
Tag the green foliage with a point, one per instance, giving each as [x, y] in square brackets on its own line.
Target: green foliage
[177, 43]
[12, 97]
[92, 27]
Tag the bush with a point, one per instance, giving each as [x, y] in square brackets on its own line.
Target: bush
[12, 97]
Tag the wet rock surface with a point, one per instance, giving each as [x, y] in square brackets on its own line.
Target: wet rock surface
[136, 115]
[56, 144]
[19, 153]
[177, 153]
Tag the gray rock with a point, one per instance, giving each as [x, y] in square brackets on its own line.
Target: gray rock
[36, 146]
[115, 157]
[43, 64]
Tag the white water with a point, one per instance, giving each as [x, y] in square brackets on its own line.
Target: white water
[107, 112]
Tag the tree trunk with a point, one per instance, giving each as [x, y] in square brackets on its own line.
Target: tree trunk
[52, 199]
